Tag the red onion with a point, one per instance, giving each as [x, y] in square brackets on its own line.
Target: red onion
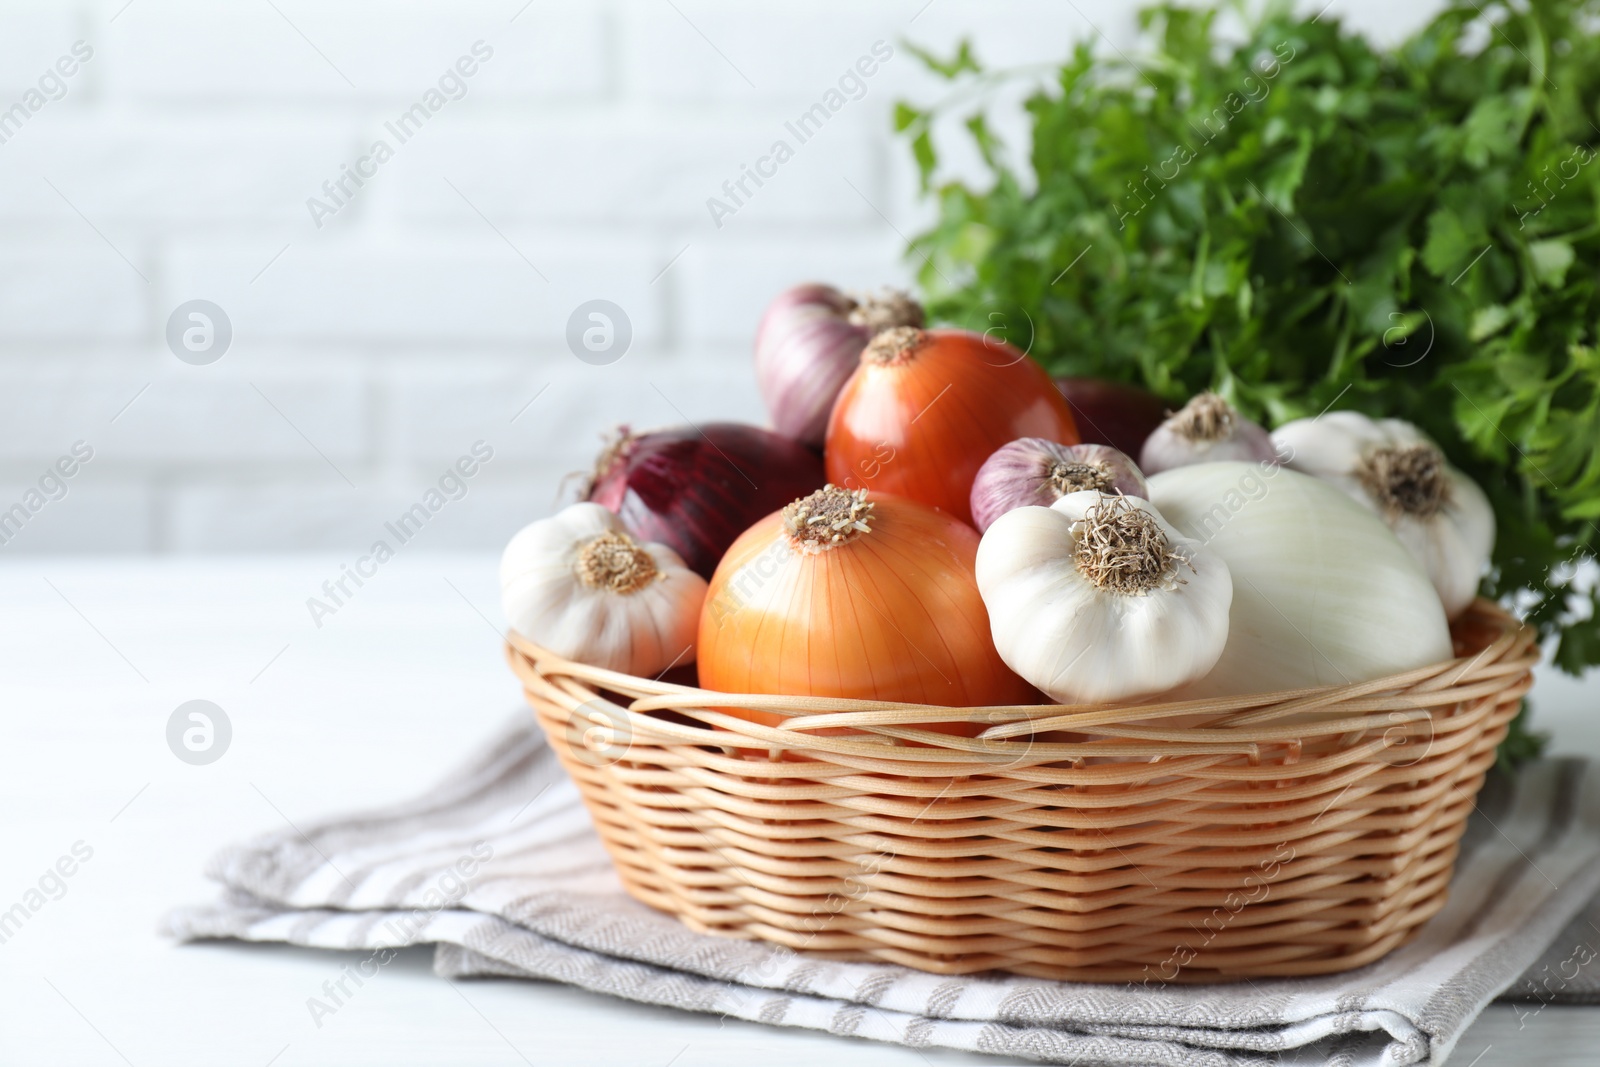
[696, 490]
[1033, 471]
[1112, 413]
[1206, 430]
[809, 342]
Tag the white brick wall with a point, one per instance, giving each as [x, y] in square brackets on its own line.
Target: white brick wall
[371, 351]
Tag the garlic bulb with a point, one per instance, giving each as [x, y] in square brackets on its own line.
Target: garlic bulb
[579, 585]
[808, 344]
[1323, 593]
[1390, 466]
[1033, 471]
[1096, 598]
[1205, 430]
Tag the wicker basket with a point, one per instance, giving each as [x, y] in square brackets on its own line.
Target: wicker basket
[1278, 834]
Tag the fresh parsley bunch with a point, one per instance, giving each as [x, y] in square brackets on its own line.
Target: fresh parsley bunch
[1301, 219]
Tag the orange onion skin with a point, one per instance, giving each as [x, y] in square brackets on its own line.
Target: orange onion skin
[892, 615]
[920, 427]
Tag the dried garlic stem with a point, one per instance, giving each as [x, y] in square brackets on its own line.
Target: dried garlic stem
[1071, 477]
[1207, 417]
[1407, 481]
[1121, 549]
[613, 561]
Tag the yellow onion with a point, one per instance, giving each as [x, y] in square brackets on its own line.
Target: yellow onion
[854, 594]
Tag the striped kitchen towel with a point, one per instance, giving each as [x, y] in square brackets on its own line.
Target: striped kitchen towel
[499, 867]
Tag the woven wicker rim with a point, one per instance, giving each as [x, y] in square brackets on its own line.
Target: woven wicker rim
[1394, 700]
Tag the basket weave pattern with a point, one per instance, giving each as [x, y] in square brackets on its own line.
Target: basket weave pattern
[1274, 834]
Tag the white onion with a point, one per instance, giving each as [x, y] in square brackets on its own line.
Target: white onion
[1323, 592]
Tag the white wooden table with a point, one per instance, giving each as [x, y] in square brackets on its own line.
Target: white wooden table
[396, 686]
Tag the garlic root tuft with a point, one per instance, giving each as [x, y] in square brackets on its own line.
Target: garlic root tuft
[1121, 549]
[613, 561]
[1207, 417]
[1207, 429]
[1073, 477]
[1410, 480]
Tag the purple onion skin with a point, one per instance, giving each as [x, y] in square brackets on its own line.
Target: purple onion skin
[695, 491]
[1112, 413]
[1018, 475]
[806, 349]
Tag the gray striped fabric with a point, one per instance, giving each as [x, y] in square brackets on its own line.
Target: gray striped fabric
[499, 867]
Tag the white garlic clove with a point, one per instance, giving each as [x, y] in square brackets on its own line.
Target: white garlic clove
[1098, 599]
[579, 585]
[1205, 430]
[1442, 517]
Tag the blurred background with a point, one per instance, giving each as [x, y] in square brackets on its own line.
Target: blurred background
[359, 339]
